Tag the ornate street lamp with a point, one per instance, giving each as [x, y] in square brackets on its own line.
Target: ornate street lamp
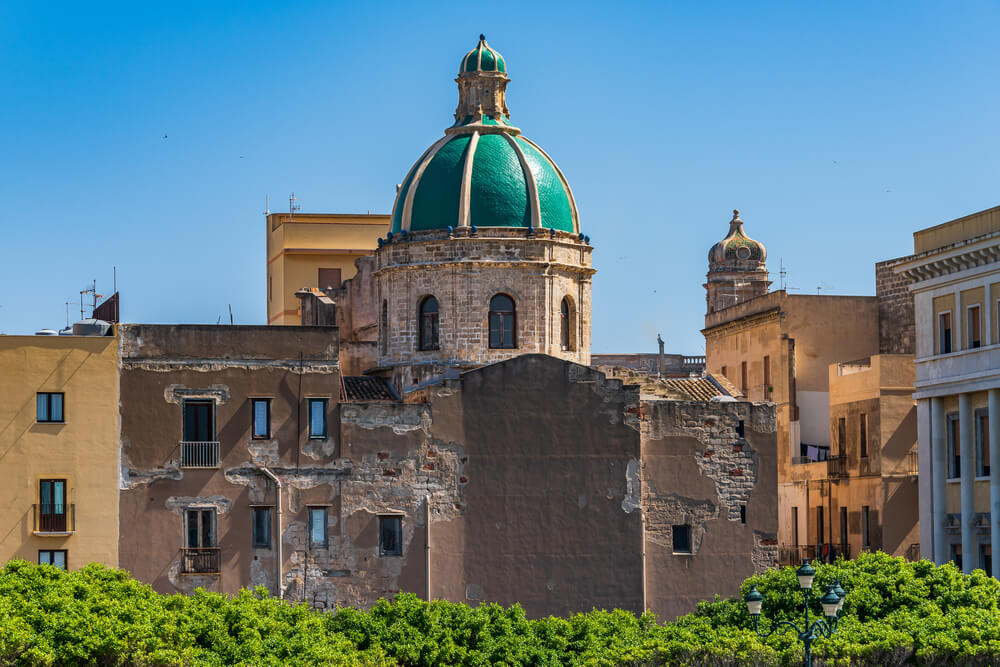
[832, 601]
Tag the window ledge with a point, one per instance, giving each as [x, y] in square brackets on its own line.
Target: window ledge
[682, 553]
[201, 574]
[52, 533]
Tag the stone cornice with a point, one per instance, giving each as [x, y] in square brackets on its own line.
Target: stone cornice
[468, 264]
[957, 257]
[743, 323]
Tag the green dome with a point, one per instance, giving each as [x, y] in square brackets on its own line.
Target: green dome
[484, 180]
[482, 59]
[482, 173]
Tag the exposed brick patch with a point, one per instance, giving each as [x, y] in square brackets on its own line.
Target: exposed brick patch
[428, 466]
[382, 456]
[735, 472]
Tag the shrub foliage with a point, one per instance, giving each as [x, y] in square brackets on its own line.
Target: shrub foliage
[895, 613]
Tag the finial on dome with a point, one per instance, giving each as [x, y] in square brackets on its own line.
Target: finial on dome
[736, 214]
[482, 37]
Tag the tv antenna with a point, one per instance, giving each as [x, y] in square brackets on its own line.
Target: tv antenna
[292, 207]
[92, 291]
[782, 274]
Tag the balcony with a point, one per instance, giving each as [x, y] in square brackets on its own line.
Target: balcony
[53, 519]
[836, 466]
[199, 454]
[826, 553]
[203, 560]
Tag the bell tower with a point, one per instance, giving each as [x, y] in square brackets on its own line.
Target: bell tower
[737, 269]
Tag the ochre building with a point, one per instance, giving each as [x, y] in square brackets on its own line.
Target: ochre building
[834, 490]
[59, 449]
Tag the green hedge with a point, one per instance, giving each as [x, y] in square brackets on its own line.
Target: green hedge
[895, 613]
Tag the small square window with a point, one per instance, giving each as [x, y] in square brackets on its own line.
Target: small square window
[390, 536]
[317, 417]
[743, 513]
[261, 519]
[261, 410]
[56, 558]
[317, 527]
[50, 407]
[682, 539]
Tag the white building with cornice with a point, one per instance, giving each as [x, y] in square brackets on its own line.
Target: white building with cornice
[955, 274]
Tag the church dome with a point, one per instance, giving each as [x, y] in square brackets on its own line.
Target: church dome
[483, 173]
[737, 247]
[482, 59]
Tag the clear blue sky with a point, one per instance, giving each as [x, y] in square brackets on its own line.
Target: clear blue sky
[836, 128]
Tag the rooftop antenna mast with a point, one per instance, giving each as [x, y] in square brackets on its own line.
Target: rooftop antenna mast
[267, 205]
[92, 291]
[292, 207]
[782, 274]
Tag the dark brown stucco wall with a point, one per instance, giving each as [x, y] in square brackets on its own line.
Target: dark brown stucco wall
[545, 520]
[164, 365]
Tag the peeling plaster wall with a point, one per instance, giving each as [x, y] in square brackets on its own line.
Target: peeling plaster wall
[164, 365]
[698, 471]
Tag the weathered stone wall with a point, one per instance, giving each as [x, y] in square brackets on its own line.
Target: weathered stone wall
[699, 471]
[896, 327]
[464, 273]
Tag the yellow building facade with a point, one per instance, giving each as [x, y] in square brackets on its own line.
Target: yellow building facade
[59, 449]
[314, 250]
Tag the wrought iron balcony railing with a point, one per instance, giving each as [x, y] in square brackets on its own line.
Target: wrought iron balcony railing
[200, 454]
[203, 560]
[836, 466]
[53, 518]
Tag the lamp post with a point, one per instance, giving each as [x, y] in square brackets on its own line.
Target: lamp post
[832, 601]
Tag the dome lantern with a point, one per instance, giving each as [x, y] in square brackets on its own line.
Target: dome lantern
[737, 268]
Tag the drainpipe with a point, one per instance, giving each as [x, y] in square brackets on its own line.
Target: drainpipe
[427, 546]
[281, 568]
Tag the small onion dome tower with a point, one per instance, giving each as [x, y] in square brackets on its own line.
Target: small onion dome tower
[485, 259]
[737, 269]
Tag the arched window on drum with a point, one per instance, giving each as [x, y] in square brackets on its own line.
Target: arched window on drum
[502, 322]
[429, 323]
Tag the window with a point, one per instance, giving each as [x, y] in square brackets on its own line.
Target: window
[740, 429]
[52, 506]
[329, 278]
[199, 421]
[261, 527]
[566, 324]
[944, 333]
[974, 327]
[383, 329]
[50, 407]
[390, 536]
[55, 558]
[767, 378]
[201, 547]
[744, 385]
[200, 532]
[429, 323]
[865, 526]
[743, 513]
[986, 559]
[842, 435]
[955, 460]
[819, 525]
[682, 539]
[261, 410]
[843, 529]
[317, 417]
[502, 322]
[863, 434]
[956, 555]
[982, 443]
[795, 525]
[317, 526]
